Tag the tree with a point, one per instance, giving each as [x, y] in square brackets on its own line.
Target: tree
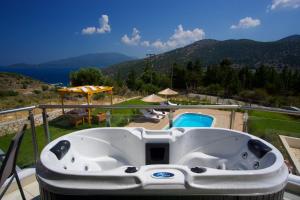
[225, 62]
[132, 82]
[193, 74]
[87, 76]
[149, 88]
[246, 78]
[179, 77]
[119, 80]
[260, 76]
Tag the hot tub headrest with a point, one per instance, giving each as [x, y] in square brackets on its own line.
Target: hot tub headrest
[61, 148]
[258, 148]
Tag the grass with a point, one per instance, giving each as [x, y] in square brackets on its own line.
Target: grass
[60, 126]
[268, 126]
[121, 117]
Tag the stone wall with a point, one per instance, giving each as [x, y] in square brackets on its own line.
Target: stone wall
[11, 127]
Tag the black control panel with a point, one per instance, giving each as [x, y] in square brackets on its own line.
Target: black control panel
[157, 153]
[61, 149]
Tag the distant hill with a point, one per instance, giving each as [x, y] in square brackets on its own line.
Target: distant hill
[95, 59]
[284, 52]
[58, 70]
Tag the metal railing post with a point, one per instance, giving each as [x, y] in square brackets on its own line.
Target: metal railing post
[33, 135]
[170, 116]
[245, 121]
[232, 117]
[46, 126]
[107, 117]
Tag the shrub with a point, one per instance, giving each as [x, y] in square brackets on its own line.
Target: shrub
[24, 86]
[87, 76]
[98, 96]
[45, 87]
[215, 89]
[8, 93]
[37, 91]
[150, 88]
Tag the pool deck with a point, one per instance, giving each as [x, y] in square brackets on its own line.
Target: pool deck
[30, 187]
[221, 119]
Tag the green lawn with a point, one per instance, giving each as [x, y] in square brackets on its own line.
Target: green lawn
[61, 127]
[268, 126]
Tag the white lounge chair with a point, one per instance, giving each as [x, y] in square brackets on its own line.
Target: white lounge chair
[172, 104]
[151, 116]
[157, 112]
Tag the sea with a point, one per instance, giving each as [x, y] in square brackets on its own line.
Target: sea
[47, 75]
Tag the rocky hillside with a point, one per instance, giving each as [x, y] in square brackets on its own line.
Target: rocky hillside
[18, 90]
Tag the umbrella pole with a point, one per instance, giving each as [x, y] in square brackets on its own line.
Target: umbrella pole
[62, 103]
[89, 110]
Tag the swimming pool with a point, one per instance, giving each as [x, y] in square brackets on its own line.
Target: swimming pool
[193, 120]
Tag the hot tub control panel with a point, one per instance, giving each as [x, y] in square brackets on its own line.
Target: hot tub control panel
[157, 153]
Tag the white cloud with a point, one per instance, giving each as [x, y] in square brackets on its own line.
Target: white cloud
[180, 38]
[183, 37]
[247, 22]
[284, 4]
[104, 22]
[103, 28]
[134, 39]
[145, 43]
[159, 44]
[88, 30]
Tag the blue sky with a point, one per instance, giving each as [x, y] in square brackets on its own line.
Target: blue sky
[35, 31]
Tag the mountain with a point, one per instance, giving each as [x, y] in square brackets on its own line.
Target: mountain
[95, 60]
[243, 52]
[58, 71]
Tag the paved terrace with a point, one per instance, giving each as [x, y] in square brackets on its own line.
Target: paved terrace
[221, 119]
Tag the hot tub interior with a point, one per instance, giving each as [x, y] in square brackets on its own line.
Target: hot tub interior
[98, 150]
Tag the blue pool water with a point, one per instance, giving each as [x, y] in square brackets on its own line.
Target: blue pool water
[193, 120]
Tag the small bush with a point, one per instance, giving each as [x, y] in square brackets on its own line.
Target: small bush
[37, 91]
[98, 96]
[8, 93]
[24, 86]
[45, 87]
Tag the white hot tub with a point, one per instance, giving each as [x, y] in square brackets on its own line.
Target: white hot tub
[130, 162]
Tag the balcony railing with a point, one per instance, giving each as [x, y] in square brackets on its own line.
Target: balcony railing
[111, 117]
[109, 108]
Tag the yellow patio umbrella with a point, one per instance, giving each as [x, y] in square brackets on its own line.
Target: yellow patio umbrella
[153, 99]
[168, 92]
[88, 91]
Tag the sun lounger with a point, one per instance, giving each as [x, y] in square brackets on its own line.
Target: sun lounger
[172, 104]
[151, 116]
[158, 112]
